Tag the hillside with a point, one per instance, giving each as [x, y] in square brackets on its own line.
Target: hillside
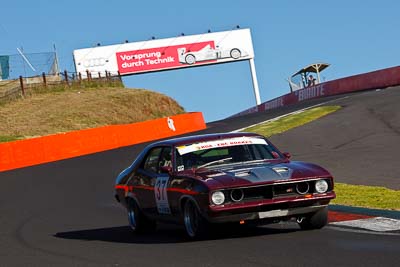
[66, 110]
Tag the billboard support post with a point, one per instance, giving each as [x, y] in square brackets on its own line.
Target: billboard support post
[255, 82]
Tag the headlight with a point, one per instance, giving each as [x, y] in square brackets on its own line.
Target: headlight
[218, 198]
[321, 186]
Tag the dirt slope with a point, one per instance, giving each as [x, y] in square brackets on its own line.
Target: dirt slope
[67, 110]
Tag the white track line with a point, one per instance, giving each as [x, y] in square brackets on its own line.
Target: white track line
[377, 224]
[288, 114]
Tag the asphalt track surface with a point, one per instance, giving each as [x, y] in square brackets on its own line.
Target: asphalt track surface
[64, 214]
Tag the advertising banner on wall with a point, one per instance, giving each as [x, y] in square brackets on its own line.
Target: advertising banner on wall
[165, 54]
[366, 81]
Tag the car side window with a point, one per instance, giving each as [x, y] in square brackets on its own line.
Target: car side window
[151, 161]
[263, 151]
[166, 157]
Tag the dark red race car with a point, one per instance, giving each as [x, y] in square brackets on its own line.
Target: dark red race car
[220, 178]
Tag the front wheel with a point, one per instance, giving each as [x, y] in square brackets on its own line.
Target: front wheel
[235, 53]
[195, 225]
[316, 220]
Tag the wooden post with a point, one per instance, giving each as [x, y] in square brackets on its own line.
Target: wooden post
[66, 77]
[87, 75]
[80, 77]
[21, 82]
[119, 76]
[44, 79]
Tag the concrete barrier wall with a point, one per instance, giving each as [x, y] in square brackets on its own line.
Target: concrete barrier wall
[372, 80]
[39, 150]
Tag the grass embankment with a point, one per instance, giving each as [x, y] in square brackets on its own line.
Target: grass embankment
[350, 195]
[64, 109]
[367, 196]
[286, 123]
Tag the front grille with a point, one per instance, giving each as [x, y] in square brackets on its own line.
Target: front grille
[277, 190]
[260, 192]
[284, 190]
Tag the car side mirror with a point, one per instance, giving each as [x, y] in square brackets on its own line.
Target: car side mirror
[287, 155]
[166, 169]
[275, 155]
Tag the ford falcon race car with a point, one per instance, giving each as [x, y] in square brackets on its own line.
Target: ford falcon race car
[219, 178]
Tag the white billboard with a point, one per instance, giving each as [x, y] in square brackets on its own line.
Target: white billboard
[164, 54]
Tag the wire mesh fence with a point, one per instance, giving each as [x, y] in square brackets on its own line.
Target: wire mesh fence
[27, 65]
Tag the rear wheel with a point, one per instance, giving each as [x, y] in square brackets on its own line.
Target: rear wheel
[195, 225]
[137, 221]
[316, 220]
[190, 59]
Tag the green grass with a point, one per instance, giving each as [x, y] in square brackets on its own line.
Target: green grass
[292, 121]
[57, 109]
[367, 196]
[349, 195]
[9, 138]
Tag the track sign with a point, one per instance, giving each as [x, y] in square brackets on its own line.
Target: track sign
[165, 54]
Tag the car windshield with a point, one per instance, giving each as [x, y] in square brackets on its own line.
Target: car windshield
[221, 152]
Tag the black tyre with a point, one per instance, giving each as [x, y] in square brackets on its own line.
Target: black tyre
[316, 220]
[190, 59]
[137, 221]
[235, 53]
[195, 225]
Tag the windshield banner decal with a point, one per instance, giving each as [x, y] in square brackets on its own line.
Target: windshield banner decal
[238, 141]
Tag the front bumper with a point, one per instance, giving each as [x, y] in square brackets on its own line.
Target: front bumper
[277, 214]
[268, 210]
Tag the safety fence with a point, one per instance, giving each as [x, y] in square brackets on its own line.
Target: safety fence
[25, 86]
[372, 80]
[27, 64]
[28, 152]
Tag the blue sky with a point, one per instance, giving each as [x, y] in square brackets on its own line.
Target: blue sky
[353, 36]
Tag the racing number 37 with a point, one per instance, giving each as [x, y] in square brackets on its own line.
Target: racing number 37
[160, 192]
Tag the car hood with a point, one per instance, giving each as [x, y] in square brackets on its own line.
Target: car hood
[249, 174]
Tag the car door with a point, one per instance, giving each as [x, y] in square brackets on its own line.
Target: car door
[145, 180]
[162, 184]
[210, 53]
[152, 190]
